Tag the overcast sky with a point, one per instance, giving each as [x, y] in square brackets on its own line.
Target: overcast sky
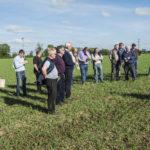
[92, 23]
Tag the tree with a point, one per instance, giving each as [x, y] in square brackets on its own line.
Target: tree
[4, 50]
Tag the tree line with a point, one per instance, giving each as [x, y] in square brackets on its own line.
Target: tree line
[5, 50]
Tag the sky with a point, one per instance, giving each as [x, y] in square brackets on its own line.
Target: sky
[91, 23]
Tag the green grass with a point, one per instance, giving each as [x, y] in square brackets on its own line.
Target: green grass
[113, 115]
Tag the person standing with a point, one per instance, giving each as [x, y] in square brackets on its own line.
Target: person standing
[137, 53]
[37, 63]
[50, 73]
[97, 58]
[69, 67]
[19, 66]
[120, 60]
[60, 65]
[129, 64]
[114, 59]
[84, 57]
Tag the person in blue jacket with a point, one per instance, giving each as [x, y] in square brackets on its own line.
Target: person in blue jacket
[129, 63]
[120, 60]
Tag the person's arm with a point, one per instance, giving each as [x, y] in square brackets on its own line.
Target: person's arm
[44, 68]
[36, 68]
[81, 58]
[18, 63]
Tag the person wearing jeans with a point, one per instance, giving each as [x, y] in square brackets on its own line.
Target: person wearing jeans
[84, 57]
[97, 65]
[19, 66]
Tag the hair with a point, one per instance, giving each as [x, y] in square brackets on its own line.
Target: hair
[133, 44]
[38, 51]
[59, 48]
[85, 48]
[51, 51]
[120, 44]
[99, 52]
[21, 51]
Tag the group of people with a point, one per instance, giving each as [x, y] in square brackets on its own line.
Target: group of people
[56, 71]
[126, 57]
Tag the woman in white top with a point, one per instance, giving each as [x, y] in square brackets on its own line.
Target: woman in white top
[97, 65]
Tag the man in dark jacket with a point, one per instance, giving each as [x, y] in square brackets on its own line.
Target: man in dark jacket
[60, 65]
[129, 58]
[37, 63]
[69, 66]
[120, 60]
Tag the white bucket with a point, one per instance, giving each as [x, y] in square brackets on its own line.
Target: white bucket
[2, 83]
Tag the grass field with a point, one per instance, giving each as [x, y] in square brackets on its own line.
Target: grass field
[112, 115]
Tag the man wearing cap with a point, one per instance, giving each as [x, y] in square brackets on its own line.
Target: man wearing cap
[60, 65]
[69, 67]
[19, 66]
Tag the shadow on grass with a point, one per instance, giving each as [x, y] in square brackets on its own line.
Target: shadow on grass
[12, 94]
[90, 78]
[29, 90]
[13, 101]
[137, 95]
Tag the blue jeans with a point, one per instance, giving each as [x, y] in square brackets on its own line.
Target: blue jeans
[98, 72]
[149, 71]
[136, 67]
[21, 80]
[84, 71]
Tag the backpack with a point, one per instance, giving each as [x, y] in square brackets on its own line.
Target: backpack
[41, 79]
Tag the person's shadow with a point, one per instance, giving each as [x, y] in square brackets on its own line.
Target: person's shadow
[137, 96]
[13, 101]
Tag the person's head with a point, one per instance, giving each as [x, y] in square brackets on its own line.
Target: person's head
[96, 50]
[68, 45]
[60, 50]
[51, 53]
[21, 53]
[38, 53]
[116, 46]
[121, 45]
[127, 48]
[85, 49]
[133, 45]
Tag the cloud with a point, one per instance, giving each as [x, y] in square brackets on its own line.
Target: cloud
[105, 14]
[18, 29]
[60, 2]
[142, 11]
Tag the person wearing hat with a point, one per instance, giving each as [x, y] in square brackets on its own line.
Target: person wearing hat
[137, 53]
[50, 73]
[69, 67]
[19, 66]
[60, 65]
[129, 57]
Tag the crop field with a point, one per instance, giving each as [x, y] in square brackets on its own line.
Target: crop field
[114, 115]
